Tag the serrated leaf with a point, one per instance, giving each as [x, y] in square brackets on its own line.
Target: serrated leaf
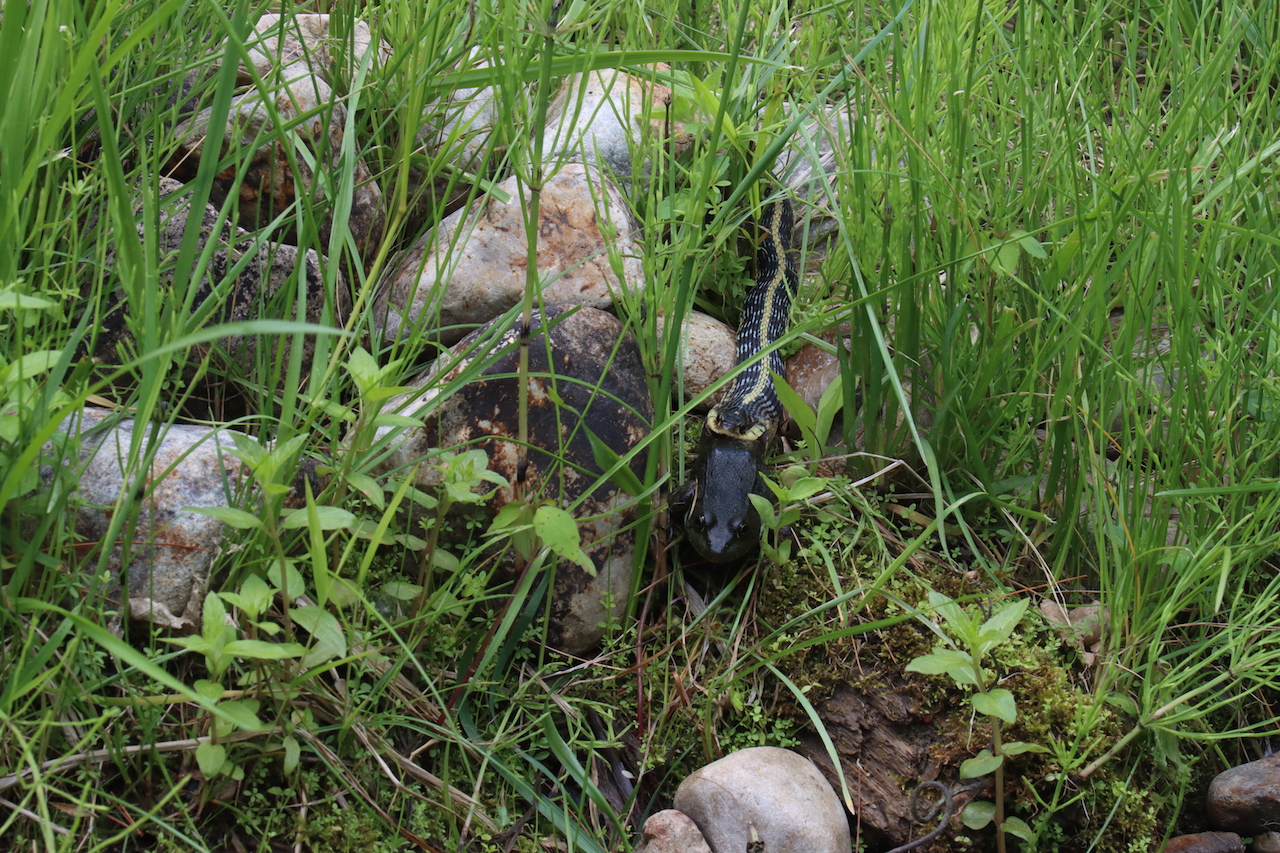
[980, 765]
[996, 703]
[230, 516]
[262, 650]
[328, 517]
[558, 530]
[211, 757]
[978, 814]
[1017, 826]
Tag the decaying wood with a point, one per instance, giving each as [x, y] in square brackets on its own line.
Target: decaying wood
[886, 748]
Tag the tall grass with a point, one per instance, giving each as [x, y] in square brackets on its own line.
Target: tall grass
[1056, 266]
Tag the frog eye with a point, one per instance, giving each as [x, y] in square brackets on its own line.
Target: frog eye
[700, 520]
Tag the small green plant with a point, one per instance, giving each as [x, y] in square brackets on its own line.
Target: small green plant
[964, 655]
[794, 486]
[221, 645]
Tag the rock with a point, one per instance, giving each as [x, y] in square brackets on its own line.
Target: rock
[250, 295]
[807, 167]
[811, 371]
[471, 267]
[1246, 799]
[1265, 842]
[297, 91]
[461, 127]
[671, 831]
[776, 791]
[709, 351]
[601, 385]
[172, 547]
[277, 42]
[599, 117]
[1081, 626]
[1204, 842]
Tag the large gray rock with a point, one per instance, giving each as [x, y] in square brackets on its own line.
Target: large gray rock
[592, 382]
[472, 266]
[252, 293]
[708, 350]
[600, 117]
[294, 60]
[1246, 799]
[163, 556]
[167, 554]
[779, 793]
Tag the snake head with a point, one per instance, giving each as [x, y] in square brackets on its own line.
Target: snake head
[722, 524]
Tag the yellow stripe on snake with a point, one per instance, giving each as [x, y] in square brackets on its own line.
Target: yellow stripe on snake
[719, 519]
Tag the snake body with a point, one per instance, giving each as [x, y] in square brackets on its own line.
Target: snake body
[720, 521]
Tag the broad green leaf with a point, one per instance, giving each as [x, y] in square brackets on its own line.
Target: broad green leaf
[1018, 747]
[214, 615]
[402, 591]
[211, 757]
[211, 690]
[1017, 826]
[231, 516]
[559, 531]
[329, 518]
[292, 753]
[952, 614]
[806, 488]
[368, 487]
[296, 585]
[606, 457]
[262, 650]
[1004, 259]
[980, 765]
[1002, 623]
[1030, 245]
[253, 598]
[12, 301]
[996, 703]
[978, 814]
[950, 662]
[323, 627]
[244, 714]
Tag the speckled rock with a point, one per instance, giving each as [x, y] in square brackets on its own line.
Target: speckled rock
[471, 267]
[709, 350]
[296, 86]
[779, 793]
[1246, 799]
[671, 831]
[172, 547]
[461, 126]
[1204, 842]
[250, 295]
[598, 388]
[600, 117]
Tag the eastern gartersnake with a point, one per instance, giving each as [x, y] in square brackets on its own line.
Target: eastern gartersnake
[719, 518]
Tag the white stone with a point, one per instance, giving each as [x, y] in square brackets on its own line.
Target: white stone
[775, 791]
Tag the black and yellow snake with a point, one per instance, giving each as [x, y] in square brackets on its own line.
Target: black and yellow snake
[719, 519]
